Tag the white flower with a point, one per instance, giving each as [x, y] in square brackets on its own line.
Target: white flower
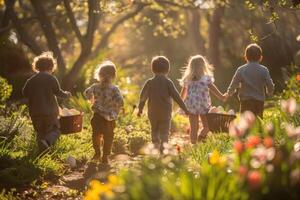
[289, 106]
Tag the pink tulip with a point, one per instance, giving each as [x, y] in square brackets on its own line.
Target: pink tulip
[289, 106]
[254, 179]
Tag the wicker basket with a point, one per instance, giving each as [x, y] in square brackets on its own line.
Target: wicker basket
[71, 124]
[219, 122]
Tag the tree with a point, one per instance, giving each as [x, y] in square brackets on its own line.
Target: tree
[88, 47]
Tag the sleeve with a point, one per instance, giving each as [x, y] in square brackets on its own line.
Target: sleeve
[119, 98]
[144, 96]
[176, 96]
[235, 82]
[210, 80]
[25, 89]
[57, 89]
[89, 92]
[269, 84]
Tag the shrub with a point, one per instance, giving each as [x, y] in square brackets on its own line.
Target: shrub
[137, 140]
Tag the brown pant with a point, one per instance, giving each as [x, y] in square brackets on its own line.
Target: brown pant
[103, 127]
[255, 106]
[47, 128]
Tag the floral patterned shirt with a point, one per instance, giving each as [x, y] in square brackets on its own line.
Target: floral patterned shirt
[198, 100]
[108, 100]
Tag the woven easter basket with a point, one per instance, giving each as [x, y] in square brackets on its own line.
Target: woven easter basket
[219, 122]
[71, 124]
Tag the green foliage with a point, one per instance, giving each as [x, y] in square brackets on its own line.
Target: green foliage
[5, 91]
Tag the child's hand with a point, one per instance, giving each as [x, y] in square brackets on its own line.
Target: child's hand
[69, 94]
[187, 112]
[225, 97]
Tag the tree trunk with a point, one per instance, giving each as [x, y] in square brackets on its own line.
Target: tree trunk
[194, 29]
[214, 36]
[49, 34]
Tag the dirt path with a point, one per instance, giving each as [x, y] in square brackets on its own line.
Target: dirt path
[73, 184]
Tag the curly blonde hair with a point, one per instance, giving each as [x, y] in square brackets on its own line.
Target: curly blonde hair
[44, 62]
[196, 68]
[106, 72]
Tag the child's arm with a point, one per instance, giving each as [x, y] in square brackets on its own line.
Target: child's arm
[25, 89]
[143, 98]
[89, 93]
[58, 91]
[213, 88]
[235, 83]
[183, 92]
[269, 84]
[176, 96]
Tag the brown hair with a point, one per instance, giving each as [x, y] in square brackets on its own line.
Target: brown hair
[106, 72]
[160, 64]
[253, 53]
[44, 62]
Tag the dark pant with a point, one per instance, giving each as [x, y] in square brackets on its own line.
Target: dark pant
[160, 131]
[103, 127]
[255, 106]
[47, 128]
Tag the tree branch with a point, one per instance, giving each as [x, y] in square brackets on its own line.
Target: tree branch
[24, 36]
[105, 37]
[172, 3]
[73, 21]
[94, 16]
[49, 33]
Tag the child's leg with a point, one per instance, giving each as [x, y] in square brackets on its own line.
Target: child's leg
[96, 123]
[108, 137]
[53, 132]
[155, 132]
[194, 123]
[164, 131]
[205, 128]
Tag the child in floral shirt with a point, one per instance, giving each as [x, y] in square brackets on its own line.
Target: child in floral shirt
[196, 83]
[107, 102]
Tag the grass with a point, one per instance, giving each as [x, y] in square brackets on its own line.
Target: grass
[199, 152]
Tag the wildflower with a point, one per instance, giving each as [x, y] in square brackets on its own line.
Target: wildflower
[269, 128]
[98, 190]
[254, 179]
[242, 171]
[289, 106]
[252, 141]
[297, 147]
[298, 75]
[236, 129]
[268, 142]
[239, 146]
[249, 118]
[216, 159]
[263, 154]
[292, 131]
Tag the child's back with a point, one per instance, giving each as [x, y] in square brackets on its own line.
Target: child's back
[253, 79]
[160, 90]
[41, 90]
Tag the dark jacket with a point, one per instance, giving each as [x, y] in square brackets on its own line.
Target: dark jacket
[41, 90]
[159, 91]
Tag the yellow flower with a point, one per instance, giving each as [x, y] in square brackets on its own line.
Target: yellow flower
[113, 179]
[98, 190]
[217, 159]
[214, 157]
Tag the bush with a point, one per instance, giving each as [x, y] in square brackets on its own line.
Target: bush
[137, 140]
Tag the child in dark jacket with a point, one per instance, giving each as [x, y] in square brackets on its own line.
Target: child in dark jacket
[41, 90]
[159, 92]
[253, 81]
